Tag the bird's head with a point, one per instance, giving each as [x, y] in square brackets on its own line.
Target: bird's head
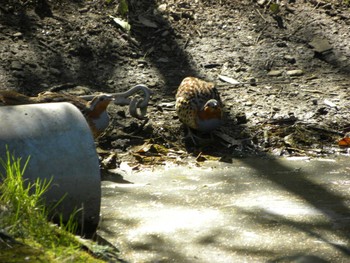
[211, 110]
[98, 105]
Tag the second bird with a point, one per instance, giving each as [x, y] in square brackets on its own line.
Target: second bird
[198, 105]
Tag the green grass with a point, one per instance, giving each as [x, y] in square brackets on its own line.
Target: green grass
[24, 217]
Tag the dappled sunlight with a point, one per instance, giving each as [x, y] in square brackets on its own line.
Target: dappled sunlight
[174, 220]
[253, 208]
[279, 204]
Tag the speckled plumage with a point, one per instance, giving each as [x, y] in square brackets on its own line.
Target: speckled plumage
[198, 104]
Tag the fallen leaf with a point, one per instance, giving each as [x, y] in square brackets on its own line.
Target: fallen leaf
[144, 148]
[151, 149]
[122, 23]
[344, 142]
[231, 141]
[274, 8]
[229, 80]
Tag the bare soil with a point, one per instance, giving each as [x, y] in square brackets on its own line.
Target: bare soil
[293, 65]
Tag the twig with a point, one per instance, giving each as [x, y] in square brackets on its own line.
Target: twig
[62, 87]
[257, 10]
[312, 91]
[327, 130]
[260, 34]
[47, 46]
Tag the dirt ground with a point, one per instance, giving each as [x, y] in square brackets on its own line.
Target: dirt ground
[292, 61]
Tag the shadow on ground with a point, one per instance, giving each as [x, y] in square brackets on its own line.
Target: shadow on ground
[254, 209]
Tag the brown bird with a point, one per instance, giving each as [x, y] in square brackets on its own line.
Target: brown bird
[198, 105]
[94, 111]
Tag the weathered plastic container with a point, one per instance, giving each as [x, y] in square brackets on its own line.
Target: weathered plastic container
[59, 142]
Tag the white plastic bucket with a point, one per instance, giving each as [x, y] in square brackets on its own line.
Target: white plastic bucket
[59, 142]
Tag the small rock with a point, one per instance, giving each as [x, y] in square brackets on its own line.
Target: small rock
[295, 72]
[330, 104]
[261, 2]
[16, 65]
[18, 74]
[252, 82]
[32, 65]
[83, 10]
[281, 44]
[290, 59]
[151, 83]
[331, 13]
[17, 34]
[162, 7]
[163, 60]
[275, 73]
[248, 103]
[320, 45]
[212, 65]
[168, 105]
[165, 33]
[55, 71]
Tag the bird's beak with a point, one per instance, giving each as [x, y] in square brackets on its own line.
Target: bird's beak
[111, 98]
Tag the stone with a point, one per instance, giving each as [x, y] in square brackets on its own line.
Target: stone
[281, 44]
[16, 65]
[275, 73]
[17, 34]
[18, 74]
[295, 72]
[55, 71]
[290, 59]
[320, 45]
[162, 7]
